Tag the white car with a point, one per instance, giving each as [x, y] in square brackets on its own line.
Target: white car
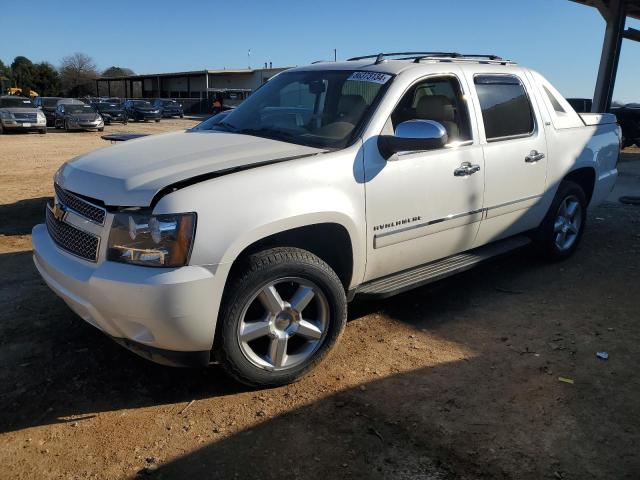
[242, 241]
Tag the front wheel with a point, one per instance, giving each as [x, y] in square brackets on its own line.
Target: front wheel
[42, 131]
[282, 312]
[157, 120]
[561, 230]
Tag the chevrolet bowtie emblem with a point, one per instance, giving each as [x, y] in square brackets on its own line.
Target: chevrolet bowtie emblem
[58, 211]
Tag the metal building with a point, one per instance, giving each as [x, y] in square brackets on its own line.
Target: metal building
[198, 84]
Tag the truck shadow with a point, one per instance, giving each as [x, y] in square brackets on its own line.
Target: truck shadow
[20, 217]
[55, 365]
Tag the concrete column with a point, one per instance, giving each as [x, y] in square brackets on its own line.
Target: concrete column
[610, 56]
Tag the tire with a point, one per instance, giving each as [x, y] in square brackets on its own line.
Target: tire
[560, 232]
[101, 129]
[298, 343]
[42, 131]
[157, 120]
[66, 126]
[1, 129]
[182, 115]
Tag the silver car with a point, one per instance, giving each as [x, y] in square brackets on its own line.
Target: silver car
[18, 113]
[76, 115]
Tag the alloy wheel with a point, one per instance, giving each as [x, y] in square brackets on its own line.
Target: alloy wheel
[283, 324]
[567, 224]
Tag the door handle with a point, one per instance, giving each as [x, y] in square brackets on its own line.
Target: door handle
[534, 156]
[466, 169]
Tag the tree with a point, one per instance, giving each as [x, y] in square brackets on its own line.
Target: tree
[46, 79]
[117, 72]
[78, 74]
[5, 77]
[22, 73]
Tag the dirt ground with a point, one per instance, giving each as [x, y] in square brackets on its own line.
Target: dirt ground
[456, 380]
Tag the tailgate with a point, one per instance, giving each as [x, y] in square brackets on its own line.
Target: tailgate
[598, 118]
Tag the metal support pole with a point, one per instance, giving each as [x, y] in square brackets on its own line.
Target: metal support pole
[609, 58]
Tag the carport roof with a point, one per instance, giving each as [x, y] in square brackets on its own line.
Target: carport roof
[632, 7]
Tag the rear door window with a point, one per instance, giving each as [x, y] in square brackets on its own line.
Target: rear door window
[506, 109]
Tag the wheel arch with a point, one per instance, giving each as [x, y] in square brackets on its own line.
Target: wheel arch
[586, 178]
[329, 241]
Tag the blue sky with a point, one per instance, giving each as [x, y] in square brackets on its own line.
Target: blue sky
[559, 38]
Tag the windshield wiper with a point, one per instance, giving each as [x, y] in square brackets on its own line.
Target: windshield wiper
[228, 126]
[267, 133]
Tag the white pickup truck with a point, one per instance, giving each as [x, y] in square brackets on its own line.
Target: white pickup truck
[242, 240]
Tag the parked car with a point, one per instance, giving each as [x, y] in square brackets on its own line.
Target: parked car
[19, 114]
[230, 97]
[77, 116]
[168, 108]
[141, 110]
[629, 119]
[581, 105]
[111, 112]
[242, 241]
[48, 106]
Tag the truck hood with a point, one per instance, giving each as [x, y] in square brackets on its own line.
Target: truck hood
[133, 172]
[19, 109]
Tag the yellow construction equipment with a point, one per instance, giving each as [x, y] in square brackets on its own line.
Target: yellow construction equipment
[18, 91]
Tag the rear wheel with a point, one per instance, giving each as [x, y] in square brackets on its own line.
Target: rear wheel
[281, 315]
[561, 230]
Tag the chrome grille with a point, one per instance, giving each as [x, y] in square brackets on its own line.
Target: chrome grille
[28, 117]
[88, 210]
[69, 238]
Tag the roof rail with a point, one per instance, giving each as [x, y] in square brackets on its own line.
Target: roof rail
[418, 56]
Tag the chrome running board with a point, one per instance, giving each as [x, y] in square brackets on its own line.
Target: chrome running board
[431, 272]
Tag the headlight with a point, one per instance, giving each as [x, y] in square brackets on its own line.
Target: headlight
[41, 117]
[151, 240]
[6, 115]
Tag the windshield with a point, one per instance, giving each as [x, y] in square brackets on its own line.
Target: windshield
[71, 108]
[103, 107]
[169, 103]
[141, 103]
[50, 102]
[15, 102]
[323, 109]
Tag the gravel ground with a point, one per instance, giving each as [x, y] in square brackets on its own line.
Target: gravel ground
[456, 380]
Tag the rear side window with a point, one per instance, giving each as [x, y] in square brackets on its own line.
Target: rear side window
[506, 110]
[554, 101]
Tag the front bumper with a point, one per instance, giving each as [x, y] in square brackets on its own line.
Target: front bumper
[23, 126]
[164, 314]
[75, 125]
[147, 116]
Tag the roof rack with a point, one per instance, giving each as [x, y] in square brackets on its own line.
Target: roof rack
[419, 56]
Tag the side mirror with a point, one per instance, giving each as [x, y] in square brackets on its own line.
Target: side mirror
[413, 136]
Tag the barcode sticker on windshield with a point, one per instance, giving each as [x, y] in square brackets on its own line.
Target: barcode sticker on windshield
[374, 77]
